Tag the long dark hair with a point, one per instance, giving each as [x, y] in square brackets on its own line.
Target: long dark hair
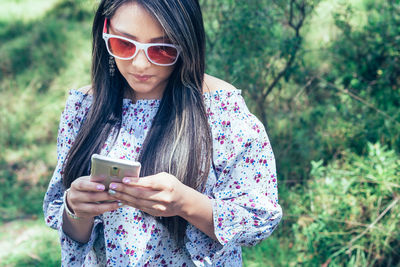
[179, 141]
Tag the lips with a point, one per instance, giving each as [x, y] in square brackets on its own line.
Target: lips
[142, 78]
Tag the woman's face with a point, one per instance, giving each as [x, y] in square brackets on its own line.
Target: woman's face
[147, 80]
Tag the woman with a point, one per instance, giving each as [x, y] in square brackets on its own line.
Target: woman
[207, 184]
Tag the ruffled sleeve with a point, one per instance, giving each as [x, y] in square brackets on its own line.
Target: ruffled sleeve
[72, 253]
[244, 187]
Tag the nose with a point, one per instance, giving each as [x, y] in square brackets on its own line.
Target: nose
[140, 60]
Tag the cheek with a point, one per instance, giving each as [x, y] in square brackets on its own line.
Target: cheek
[122, 65]
[166, 71]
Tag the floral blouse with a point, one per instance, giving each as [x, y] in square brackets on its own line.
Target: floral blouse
[242, 185]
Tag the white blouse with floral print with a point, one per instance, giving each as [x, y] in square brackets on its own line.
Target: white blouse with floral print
[243, 187]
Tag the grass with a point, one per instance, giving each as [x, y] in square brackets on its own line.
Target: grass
[28, 242]
[273, 251]
[34, 83]
[38, 245]
[33, 87]
[45, 51]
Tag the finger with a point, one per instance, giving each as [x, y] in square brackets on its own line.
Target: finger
[92, 209]
[151, 182]
[77, 197]
[138, 192]
[84, 184]
[149, 206]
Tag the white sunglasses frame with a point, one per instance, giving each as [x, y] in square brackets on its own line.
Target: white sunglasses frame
[139, 46]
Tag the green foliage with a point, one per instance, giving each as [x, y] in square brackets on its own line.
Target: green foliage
[38, 67]
[367, 64]
[254, 44]
[344, 93]
[350, 212]
[271, 252]
[326, 93]
[38, 45]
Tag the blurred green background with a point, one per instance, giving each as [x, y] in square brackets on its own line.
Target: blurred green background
[322, 75]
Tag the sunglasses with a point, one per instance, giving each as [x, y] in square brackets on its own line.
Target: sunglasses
[123, 48]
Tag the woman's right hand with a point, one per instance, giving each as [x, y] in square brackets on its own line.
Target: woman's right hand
[86, 198]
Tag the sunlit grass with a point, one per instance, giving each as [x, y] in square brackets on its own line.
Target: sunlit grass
[28, 243]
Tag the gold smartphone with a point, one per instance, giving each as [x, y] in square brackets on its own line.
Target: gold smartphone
[106, 170]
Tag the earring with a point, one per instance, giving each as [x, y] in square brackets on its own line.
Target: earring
[111, 66]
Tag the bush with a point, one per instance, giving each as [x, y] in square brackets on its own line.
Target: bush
[344, 93]
[350, 212]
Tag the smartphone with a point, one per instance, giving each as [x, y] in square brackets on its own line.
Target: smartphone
[106, 170]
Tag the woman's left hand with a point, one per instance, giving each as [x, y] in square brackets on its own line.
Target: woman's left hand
[158, 195]
[163, 195]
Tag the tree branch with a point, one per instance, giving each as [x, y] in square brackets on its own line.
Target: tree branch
[348, 92]
[298, 40]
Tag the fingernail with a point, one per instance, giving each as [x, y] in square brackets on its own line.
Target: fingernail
[120, 204]
[111, 192]
[126, 180]
[100, 187]
[113, 186]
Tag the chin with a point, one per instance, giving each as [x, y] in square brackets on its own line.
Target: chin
[145, 91]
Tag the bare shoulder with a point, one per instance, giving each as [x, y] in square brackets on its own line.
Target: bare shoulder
[212, 84]
[87, 90]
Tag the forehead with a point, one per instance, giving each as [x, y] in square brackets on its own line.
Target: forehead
[134, 20]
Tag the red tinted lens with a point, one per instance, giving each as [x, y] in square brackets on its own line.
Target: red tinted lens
[121, 48]
[162, 54]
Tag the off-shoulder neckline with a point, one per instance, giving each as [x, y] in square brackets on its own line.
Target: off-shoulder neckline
[206, 95]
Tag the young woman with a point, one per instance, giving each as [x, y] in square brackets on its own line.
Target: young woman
[208, 180]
